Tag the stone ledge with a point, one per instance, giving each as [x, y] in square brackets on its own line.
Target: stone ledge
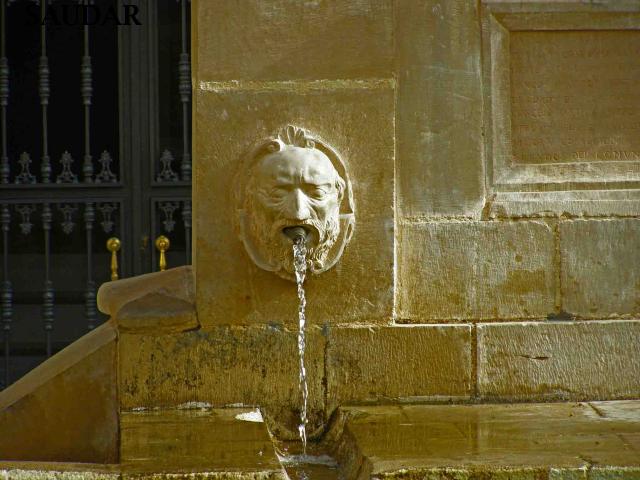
[586, 441]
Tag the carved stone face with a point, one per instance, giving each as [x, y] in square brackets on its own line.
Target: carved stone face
[296, 186]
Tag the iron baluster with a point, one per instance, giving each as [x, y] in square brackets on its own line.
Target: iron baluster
[43, 90]
[7, 291]
[48, 295]
[186, 219]
[184, 88]
[86, 91]
[4, 97]
[90, 291]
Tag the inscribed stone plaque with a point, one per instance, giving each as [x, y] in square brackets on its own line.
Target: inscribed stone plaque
[575, 96]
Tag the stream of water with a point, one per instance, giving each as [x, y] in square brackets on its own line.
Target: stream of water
[300, 265]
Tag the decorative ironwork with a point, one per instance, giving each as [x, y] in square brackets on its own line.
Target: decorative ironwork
[25, 212]
[43, 70]
[184, 89]
[86, 90]
[107, 209]
[4, 101]
[167, 174]
[48, 295]
[67, 211]
[106, 175]
[66, 176]
[25, 175]
[186, 219]
[43, 91]
[6, 297]
[168, 208]
[88, 210]
[90, 311]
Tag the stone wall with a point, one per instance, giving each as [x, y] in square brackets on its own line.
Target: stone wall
[496, 254]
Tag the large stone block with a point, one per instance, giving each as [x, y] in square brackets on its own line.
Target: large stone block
[65, 410]
[439, 132]
[398, 363]
[358, 122]
[475, 270]
[563, 360]
[220, 367]
[599, 265]
[284, 40]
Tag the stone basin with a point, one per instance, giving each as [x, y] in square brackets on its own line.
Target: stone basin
[586, 440]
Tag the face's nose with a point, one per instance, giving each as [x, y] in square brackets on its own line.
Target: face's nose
[297, 206]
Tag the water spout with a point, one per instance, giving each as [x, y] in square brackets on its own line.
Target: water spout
[298, 236]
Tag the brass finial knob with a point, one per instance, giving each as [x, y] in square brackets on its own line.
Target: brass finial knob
[163, 244]
[113, 245]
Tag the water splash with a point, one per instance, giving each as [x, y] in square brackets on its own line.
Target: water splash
[300, 266]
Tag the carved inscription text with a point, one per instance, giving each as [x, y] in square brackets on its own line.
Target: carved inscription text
[575, 96]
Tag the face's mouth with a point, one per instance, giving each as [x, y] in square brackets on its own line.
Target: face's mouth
[297, 232]
[289, 231]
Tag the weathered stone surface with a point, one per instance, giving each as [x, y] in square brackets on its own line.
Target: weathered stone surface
[475, 270]
[563, 360]
[174, 283]
[223, 366]
[157, 313]
[199, 440]
[281, 40]
[358, 122]
[399, 363]
[31, 472]
[65, 410]
[576, 203]
[527, 441]
[439, 108]
[599, 265]
[614, 473]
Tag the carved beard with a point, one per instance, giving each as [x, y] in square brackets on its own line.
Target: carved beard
[275, 248]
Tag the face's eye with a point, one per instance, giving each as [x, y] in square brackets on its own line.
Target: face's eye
[317, 192]
[278, 193]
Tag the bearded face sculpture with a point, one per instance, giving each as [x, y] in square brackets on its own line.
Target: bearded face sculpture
[295, 181]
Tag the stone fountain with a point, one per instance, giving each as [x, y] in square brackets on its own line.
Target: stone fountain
[472, 287]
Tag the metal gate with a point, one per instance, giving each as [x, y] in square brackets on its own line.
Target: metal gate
[95, 119]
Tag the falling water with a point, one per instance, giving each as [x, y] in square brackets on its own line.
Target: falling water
[300, 265]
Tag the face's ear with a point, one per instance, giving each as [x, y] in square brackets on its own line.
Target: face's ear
[340, 187]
